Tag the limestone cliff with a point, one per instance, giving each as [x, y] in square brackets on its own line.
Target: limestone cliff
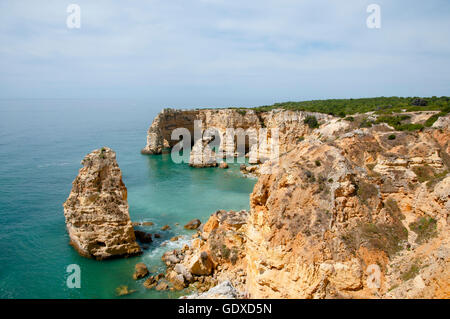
[289, 124]
[96, 210]
[331, 209]
[350, 209]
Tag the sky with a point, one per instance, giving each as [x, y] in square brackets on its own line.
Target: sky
[224, 52]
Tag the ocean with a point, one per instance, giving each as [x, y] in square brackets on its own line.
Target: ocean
[42, 143]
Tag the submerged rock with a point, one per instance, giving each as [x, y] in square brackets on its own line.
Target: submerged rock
[141, 271]
[165, 227]
[143, 223]
[123, 291]
[150, 283]
[193, 224]
[147, 224]
[143, 237]
[96, 210]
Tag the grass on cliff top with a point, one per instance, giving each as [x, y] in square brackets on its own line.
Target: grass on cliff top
[381, 105]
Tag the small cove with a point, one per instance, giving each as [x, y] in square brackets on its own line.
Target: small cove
[42, 144]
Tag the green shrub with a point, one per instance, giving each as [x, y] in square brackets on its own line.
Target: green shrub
[397, 122]
[310, 176]
[311, 121]
[425, 228]
[234, 256]
[366, 191]
[392, 120]
[419, 102]
[102, 153]
[430, 121]
[436, 179]
[350, 118]
[433, 118]
[424, 173]
[392, 137]
[225, 252]
[387, 238]
[410, 127]
[365, 123]
[411, 273]
[393, 209]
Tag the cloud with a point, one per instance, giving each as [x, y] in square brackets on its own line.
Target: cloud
[263, 50]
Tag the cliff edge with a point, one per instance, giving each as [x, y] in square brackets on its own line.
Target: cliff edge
[352, 208]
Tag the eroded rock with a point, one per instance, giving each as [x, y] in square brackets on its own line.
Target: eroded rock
[143, 237]
[96, 210]
[141, 271]
[201, 264]
[193, 224]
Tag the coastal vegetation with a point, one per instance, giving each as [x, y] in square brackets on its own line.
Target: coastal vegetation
[386, 107]
[311, 121]
[392, 137]
[380, 105]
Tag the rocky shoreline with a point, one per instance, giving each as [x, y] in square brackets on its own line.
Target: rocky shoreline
[349, 210]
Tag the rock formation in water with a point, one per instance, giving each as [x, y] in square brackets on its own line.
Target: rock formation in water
[347, 211]
[140, 272]
[96, 210]
[290, 125]
[202, 154]
[193, 224]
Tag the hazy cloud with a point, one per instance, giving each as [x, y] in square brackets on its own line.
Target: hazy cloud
[249, 51]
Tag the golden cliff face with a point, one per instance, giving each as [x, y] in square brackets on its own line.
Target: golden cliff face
[330, 210]
[96, 210]
[344, 212]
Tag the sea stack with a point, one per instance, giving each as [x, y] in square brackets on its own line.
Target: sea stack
[202, 155]
[96, 211]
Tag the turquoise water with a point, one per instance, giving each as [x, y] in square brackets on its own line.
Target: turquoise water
[41, 145]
